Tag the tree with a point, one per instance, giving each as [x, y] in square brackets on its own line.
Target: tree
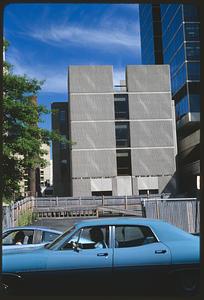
[22, 138]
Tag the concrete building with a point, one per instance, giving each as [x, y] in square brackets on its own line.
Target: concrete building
[125, 142]
[46, 172]
[60, 150]
[170, 34]
[43, 176]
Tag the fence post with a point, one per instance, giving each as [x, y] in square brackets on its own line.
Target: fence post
[157, 209]
[143, 208]
[102, 200]
[126, 202]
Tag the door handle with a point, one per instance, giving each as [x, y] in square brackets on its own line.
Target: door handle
[160, 251]
[102, 254]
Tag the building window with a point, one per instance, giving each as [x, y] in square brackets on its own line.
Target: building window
[193, 51]
[192, 32]
[122, 134]
[148, 192]
[63, 145]
[62, 115]
[121, 107]
[102, 193]
[194, 103]
[190, 12]
[193, 71]
[182, 108]
[123, 162]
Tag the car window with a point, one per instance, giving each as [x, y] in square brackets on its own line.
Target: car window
[16, 237]
[133, 236]
[60, 238]
[89, 238]
[49, 236]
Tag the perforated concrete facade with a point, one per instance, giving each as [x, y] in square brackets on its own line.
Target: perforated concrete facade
[92, 129]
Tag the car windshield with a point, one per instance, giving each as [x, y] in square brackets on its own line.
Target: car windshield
[61, 237]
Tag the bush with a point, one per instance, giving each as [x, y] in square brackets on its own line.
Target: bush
[26, 218]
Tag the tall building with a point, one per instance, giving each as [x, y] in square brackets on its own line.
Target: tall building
[151, 34]
[124, 140]
[60, 150]
[173, 31]
[42, 174]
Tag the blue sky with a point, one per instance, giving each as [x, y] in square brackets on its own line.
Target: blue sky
[46, 38]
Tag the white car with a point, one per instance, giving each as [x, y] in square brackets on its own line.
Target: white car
[28, 236]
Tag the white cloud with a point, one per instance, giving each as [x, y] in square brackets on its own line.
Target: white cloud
[88, 37]
[55, 80]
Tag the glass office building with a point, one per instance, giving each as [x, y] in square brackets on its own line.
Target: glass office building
[170, 34]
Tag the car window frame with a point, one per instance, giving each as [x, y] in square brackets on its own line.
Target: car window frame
[130, 225]
[5, 234]
[109, 246]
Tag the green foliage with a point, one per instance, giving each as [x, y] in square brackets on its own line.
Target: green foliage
[26, 218]
[22, 138]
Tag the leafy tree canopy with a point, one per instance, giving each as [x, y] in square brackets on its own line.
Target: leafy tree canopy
[22, 138]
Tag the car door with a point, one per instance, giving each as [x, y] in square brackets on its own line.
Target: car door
[85, 261]
[138, 254]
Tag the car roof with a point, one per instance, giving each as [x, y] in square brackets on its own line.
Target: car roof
[165, 231]
[33, 228]
[117, 221]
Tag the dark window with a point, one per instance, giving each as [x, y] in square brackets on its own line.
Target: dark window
[62, 115]
[182, 107]
[193, 51]
[193, 71]
[153, 192]
[122, 134]
[194, 103]
[63, 144]
[121, 107]
[149, 192]
[123, 162]
[192, 31]
[143, 192]
[190, 12]
[133, 236]
[179, 79]
[102, 193]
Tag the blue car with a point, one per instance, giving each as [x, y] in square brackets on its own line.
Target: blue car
[20, 237]
[118, 253]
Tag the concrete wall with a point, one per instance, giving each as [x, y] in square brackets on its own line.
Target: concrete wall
[81, 187]
[148, 78]
[90, 107]
[93, 135]
[153, 162]
[152, 123]
[94, 163]
[90, 79]
[151, 134]
[92, 124]
[150, 106]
